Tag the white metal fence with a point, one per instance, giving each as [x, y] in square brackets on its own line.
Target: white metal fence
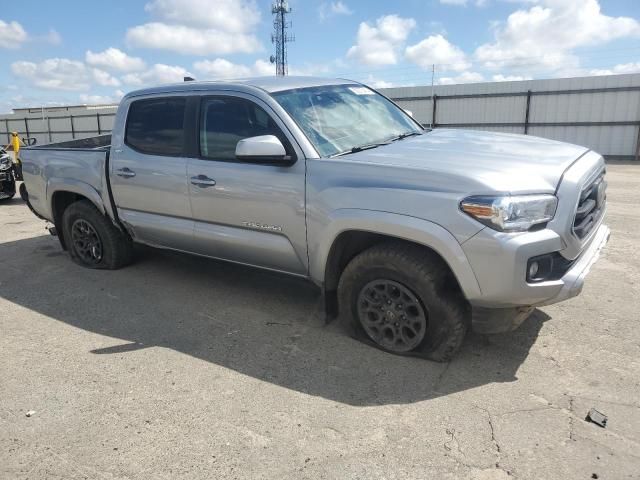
[602, 113]
[59, 126]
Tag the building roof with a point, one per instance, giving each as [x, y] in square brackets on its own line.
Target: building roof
[63, 108]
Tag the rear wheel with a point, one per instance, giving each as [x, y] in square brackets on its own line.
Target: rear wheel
[92, 240]
[399, 297]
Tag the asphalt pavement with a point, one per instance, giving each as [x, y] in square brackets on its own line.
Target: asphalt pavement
[180, 367]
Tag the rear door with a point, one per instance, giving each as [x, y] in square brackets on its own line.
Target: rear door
[247, 212]
[149, 172]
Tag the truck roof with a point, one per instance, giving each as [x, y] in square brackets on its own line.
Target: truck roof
[268, 84]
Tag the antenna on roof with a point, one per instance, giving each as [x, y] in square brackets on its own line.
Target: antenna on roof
[279, 37]
[189, 79]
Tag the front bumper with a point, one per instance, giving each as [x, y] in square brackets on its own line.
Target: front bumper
[573, 280]
[499, 319]
[499, 262]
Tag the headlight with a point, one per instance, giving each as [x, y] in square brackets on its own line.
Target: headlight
[511, 213]
[5, 162]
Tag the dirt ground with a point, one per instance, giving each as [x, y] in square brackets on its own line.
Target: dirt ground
[179, 367]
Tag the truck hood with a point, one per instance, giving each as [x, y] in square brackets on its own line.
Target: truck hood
[488, 161]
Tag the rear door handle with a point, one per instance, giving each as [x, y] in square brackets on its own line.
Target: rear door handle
[125, 173]
[202, 181]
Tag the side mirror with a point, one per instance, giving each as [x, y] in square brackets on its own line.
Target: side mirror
[262, 149]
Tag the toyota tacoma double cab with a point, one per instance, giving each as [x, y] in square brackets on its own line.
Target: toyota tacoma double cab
[413, 235]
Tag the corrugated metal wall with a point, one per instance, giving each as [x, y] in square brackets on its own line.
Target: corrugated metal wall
[58, 125]
[605, 117]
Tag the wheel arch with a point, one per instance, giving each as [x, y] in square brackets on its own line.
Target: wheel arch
[63, 195]
[351, 232]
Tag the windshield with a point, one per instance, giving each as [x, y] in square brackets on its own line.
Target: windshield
[344, 118]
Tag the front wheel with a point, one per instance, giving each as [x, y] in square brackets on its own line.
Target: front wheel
[92, 240]
[403, 299]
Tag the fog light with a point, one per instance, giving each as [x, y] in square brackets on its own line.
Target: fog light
[540, 268]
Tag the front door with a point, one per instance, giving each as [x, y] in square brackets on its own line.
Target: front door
[149, 173]
[246, 212]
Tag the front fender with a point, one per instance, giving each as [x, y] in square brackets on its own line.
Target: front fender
[395, 225]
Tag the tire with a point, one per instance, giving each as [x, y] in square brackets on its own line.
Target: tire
[92, 240]
[430, 318]
[6, 193]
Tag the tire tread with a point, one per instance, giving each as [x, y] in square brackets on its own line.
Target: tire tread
[118, 246]
[431, 269]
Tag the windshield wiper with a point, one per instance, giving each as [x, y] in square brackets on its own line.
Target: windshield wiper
[367, 146]
[404, 135]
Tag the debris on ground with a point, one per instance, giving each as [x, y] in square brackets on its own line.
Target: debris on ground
[599, 418]
[30, 413]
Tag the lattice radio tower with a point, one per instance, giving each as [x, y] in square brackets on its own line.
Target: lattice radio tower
[280, 37]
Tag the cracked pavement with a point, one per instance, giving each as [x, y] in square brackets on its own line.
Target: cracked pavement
[179, 367]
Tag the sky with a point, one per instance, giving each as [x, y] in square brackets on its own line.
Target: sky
[93, 51]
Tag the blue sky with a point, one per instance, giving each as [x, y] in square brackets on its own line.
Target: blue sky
[72, 51]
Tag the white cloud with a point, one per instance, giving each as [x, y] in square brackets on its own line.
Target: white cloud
[327, 10]
[221, 68]
[22, 101]
[263, 68]
[191, 41]
[114, 59]
[104, 79]
[315, 69]
[54, 74]
[435, 49]
[465, 77]
[543, 36]
[618, 69]
[196, 27]
[379, 44]
[377, 83]
[157, 74]
[12, 35]
[102, 99]
[225, 15]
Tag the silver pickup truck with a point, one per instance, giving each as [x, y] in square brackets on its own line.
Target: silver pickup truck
[413, 235]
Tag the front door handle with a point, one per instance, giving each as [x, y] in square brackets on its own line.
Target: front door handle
[202, 181]
[125, 173]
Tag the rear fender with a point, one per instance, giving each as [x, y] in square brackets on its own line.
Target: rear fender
[73, 186]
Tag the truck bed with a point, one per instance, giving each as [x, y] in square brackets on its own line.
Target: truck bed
[78, 166]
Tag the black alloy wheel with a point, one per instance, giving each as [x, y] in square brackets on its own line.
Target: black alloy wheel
[86, 242]
[391, 315]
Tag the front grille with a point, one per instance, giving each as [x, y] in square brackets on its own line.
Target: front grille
[590, 207]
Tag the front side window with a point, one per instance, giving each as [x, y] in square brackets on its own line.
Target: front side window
[156, 126]
[227, 120]
[339, 118]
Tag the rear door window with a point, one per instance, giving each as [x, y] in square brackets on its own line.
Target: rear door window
[156, 126]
